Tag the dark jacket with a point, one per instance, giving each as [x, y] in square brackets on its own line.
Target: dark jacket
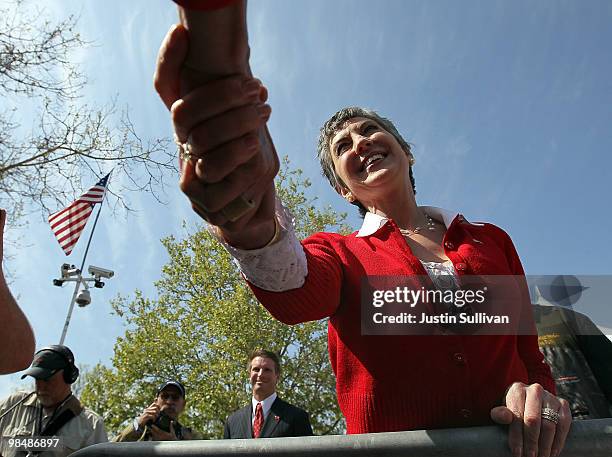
[579, 355]
[283, 420]
[129, 434]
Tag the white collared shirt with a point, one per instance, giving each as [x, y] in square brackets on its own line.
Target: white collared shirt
[372, 222]
[439, 272]
[266, 404]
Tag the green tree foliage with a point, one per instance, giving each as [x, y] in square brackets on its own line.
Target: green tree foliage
[202, 326]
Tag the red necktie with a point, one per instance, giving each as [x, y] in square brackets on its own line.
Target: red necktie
[258, 424]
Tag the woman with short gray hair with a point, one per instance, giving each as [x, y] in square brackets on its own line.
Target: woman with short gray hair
[384, 383]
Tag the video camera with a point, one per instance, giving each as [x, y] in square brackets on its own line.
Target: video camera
[163, 421]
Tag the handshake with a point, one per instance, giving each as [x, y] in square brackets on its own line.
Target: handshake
[227, 159]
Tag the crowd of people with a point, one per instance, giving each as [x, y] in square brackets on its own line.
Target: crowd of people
[60, 425]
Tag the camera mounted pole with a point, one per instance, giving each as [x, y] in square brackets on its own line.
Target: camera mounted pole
[79, 278]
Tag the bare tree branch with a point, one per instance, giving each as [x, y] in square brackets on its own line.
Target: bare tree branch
[71, 144]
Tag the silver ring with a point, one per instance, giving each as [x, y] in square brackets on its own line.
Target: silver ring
[184, 149]
[550, 415]
[184, 152]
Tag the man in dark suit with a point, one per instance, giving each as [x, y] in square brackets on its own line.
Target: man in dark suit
[267, 416]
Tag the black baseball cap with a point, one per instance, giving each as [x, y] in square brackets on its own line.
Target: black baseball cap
[45, 364]
[176, 384]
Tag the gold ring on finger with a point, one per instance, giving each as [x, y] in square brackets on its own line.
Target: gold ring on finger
[200, 209]
[237, 208]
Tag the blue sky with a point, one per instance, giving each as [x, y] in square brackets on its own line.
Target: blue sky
[508, 105]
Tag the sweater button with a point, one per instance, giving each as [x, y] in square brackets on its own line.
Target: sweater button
[461, 266]
[449, 245]
[459, 358]
[466, 413]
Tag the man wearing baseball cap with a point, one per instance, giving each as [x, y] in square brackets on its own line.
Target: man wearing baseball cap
[51, 410]
[159, 421]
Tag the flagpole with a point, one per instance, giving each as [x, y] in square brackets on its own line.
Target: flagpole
[80, 275]
[91, 234]
[69, 315]
[78, 282]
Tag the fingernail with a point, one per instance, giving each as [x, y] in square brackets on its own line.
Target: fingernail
[554, 453]
[264, 111]
[251, 88]
[252, 143]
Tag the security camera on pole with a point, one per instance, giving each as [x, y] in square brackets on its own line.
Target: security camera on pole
[81, 296]
[67, 225]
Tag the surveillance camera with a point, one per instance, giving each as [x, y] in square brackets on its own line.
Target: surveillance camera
[68, 270]
[100, 272]
[58, 282]
[84, 298]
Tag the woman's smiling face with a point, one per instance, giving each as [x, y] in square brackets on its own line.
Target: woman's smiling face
[365, 157]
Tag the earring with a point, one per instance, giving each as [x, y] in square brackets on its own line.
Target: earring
[411, 160]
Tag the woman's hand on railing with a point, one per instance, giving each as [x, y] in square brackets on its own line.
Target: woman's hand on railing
[538, 420]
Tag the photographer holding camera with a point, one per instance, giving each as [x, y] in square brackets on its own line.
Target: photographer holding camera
[159, 421]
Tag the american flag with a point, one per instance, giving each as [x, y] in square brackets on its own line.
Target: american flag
[69, 223]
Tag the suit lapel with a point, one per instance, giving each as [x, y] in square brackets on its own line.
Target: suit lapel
[246, 426]
[274, 417]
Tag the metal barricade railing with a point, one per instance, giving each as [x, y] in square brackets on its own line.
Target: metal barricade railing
[589, 438]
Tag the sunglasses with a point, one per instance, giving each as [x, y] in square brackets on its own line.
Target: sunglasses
[170, 395]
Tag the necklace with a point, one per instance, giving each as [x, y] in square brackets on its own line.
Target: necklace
[431, 226]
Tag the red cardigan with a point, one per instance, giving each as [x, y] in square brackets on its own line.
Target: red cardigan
[393, 383]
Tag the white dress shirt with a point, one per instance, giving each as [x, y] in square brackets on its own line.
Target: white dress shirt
[266, 404]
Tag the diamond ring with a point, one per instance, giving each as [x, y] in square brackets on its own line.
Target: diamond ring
[550, 414]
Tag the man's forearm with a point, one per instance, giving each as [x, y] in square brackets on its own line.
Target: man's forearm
[218, 43]
[17, 348]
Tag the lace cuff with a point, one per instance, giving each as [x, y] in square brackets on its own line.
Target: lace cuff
[279, 267]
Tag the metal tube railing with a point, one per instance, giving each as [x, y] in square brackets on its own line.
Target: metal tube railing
[592, 438]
